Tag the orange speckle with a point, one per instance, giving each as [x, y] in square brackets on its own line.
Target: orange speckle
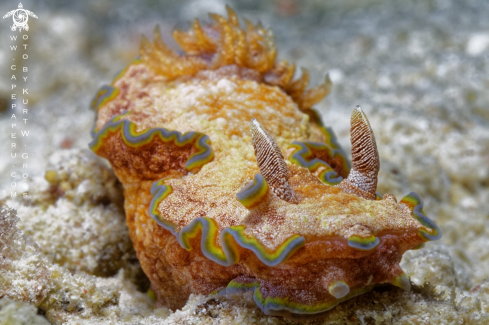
[67, 143]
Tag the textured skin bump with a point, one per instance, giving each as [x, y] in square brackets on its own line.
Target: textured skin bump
[271, 162]
[365, 164]
[339, 289]
[213, 209]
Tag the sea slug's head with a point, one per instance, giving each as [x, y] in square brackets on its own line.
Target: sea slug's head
[353, 238]
[312, 186]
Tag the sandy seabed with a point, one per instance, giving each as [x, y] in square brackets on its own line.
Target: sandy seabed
[420, 70]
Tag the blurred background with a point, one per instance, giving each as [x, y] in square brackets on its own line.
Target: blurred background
[419, 69]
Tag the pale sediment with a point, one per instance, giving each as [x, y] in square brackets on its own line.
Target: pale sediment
[422, 86]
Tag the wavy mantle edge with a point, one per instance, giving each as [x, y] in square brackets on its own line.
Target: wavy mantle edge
[227, 253]
[302, 152]
[415, 203]
[284, 306]
[136, 139]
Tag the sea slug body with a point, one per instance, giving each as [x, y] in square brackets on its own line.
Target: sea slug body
[232, 183]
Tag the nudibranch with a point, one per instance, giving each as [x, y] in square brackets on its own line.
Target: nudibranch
[217, 205]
